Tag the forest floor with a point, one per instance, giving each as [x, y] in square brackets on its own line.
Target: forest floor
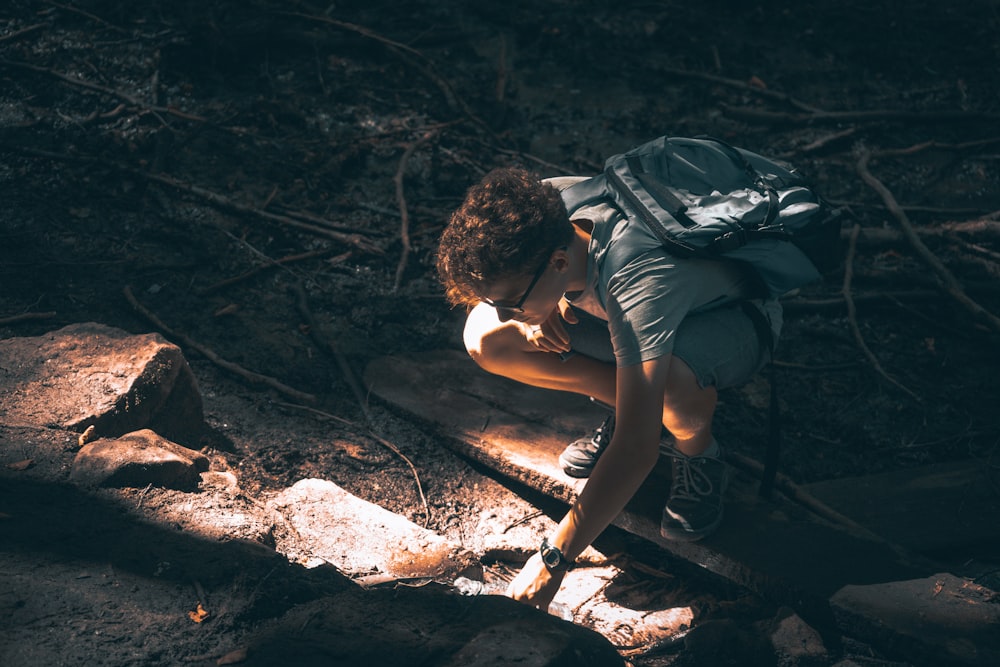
[263, 175]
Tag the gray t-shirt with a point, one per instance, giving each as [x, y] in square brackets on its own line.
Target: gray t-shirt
[641, 290]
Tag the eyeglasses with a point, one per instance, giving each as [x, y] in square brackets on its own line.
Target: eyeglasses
[508, 312]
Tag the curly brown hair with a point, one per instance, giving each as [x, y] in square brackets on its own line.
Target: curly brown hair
[504, 229]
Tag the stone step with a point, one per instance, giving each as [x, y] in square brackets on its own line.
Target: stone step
[776, 548]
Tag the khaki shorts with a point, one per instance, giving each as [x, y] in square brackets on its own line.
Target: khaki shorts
[721, 345]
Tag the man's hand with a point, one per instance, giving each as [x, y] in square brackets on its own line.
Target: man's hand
[550, 335]
[535, 585]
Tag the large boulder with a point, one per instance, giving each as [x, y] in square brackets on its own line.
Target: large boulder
[91, 374]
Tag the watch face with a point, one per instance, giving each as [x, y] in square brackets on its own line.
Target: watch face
[551, 556]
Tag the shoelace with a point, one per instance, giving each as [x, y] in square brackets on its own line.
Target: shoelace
[602, 436]
[690, 481]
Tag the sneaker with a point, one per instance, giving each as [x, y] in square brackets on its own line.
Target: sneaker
[578, 459]
[694, 508]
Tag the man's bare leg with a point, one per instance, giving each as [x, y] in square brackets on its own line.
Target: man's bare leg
[502, 349]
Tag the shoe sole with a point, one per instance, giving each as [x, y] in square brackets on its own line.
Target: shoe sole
[675, 531]
[575, 471]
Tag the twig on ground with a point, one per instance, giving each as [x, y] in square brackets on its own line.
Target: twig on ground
[949, 282]
[92, 17]
[422, 63]
[382, 441]
[975, 248]
[808, 305]
[322, 222]
[934, 322]
[982, 228]
[741, 85]
[24, 317]
[21, 32]
[936, 145]
[96, 87]
[325, 343]
[820, 368]
[356, 240]
[822, 142]
[649, 570]
[853, 319]
[523, 520]
[937, 210]
[273, 263]
[404, 230]
[852, 315]
[411, 56]
[872, 116]
[236, 369]
[537, 160]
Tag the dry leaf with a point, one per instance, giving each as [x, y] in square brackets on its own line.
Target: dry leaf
[86, 436]
[233, 657]
[198, 615]
[21, 465]
[226, 310]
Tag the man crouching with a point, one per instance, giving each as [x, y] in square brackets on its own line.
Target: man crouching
[589, 302]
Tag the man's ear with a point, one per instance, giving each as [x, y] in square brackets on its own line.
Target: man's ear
[560, 259]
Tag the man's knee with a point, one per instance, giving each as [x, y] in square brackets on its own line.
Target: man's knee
[683, 398]
[486, 338]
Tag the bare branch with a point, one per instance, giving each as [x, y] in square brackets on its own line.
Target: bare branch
[949, 282]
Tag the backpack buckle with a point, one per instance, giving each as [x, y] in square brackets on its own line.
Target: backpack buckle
[731, 240]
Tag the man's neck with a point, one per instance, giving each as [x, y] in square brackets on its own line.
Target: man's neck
[578, 251]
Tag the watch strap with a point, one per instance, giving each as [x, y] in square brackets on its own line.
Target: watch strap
[553, 557]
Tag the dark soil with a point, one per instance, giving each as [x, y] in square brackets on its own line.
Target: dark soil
[173, 148]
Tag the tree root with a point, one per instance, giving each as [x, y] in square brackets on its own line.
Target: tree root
[236, 369]
[853, 320]
[949, 282]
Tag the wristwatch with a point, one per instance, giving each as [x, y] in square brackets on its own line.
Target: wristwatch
[552, 557]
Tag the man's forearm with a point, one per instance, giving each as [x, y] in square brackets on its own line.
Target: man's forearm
[615, 479]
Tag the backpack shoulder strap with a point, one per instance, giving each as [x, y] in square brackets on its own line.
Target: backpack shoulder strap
[585, 193]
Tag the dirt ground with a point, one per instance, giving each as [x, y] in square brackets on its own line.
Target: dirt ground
[269, 180]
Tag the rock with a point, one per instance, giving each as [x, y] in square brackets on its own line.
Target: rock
[138, 459]
[523, 643]
[724, 642]
[795, 642]
[942, 619]
[91, 374]
[425, 626]
[364, 540]
[220, 481]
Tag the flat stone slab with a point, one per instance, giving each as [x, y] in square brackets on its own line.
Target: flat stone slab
[366, 542]
[91, 374]
[941, 619]
[776, 548]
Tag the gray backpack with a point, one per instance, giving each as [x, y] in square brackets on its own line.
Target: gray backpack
[704, 198]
